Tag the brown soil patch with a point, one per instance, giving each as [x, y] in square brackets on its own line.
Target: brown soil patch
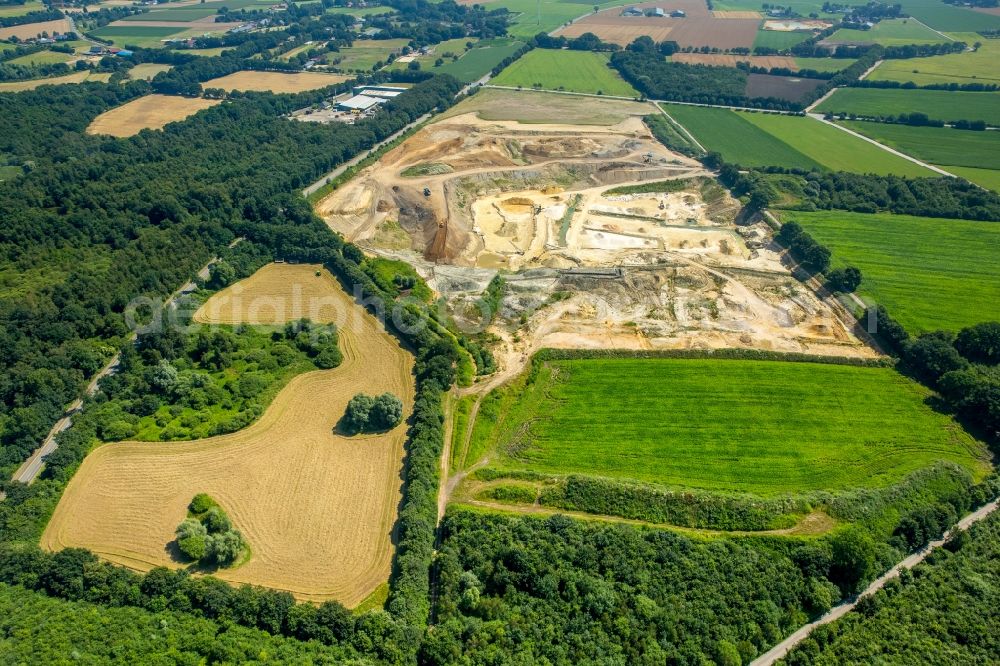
[723, 60]
[29, 30]
[700, 28]
[149, 112]
[316, 508]
[277, 82]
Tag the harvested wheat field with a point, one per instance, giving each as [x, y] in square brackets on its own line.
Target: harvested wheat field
[276, 82]
[726, 60]
[317, 508]
[31, 30]
[736, 14]
[149, 112]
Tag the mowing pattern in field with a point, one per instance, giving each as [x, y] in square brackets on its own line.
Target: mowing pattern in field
[575, 71]
[276, 82]
[316, 508]
[978, 66]
[889, 33]
[937, 104]
[149, 112]
[833, 148]
[937, 145]
[929, 273]
[736, 139]
[765, 427]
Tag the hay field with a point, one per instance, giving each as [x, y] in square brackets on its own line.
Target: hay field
[149, 112]
[316, 508]
[276, 82]
[525, 106]
[29, 30]
[75, 77]
[147, 70]
[576, 71]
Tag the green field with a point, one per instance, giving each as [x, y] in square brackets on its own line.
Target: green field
[988, 178]
[929, 273]
[738, 140]
[575, 71]
[777, 39]
[534, 16]
[361, 11]
[937, 104]
[824, 64]
[480, 60]
[41, 58]
[765, 427]
[938, 145]
[365, 53]
[803, 7]
[949, 18]
[891, 32]
[21, 10]
[969, 67]
[138, 35]
[833, 148]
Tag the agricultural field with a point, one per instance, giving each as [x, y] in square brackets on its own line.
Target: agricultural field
[977, 66]
[736, 138]
[30, 30]
[778, 39]
[364, 54]
[20, 10]
[542, 107]
[75, 77]
[929, 273]
[727, 60]
[824, 64]
[41, 58]
[336, 544]
[988, 178]
[803, 7]
[948, 18]
[700, 28]
[148, 112]
[791, 88]
[891, 32]
[763, 427]
[944, 105]
[276, 82]
[942, 146]
[833, 148]
[532, 16]
[574, 71]
[147, 70]
[479, 60]
[143, 36]
[360, 11]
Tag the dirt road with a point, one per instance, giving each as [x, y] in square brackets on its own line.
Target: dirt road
[782, 648]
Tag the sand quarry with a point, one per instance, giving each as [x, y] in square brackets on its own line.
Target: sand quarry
[316, 508]
[586, 266]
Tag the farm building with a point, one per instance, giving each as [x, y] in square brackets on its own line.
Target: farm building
[359, 103]
[655, 12]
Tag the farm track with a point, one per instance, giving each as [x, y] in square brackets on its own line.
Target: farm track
[317, 508]
[781, 649]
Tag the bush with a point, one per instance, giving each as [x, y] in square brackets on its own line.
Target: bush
[201, 503]
[372, 414]
[845, 280]
[209, 538]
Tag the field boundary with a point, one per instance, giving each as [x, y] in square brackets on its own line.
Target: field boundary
[680, 127]
[725, 353]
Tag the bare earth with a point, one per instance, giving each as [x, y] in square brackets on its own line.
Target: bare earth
[149, 112]
[316, 508]
[277, 82]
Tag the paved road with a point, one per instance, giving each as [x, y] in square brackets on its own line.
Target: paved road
[782, 648]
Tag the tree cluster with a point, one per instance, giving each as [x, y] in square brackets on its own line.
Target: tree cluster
[367, 413]
[810, 254]
[207, 535]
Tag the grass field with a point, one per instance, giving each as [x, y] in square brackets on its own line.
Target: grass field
[147, 70]
[276, 82]
[149, 37]
[824, 64]
[575, 71]
[777, 39]
[75, 77]
[929, 273]
[360, 11]
[535, 16]
[148, 112]
[738, 140]
[948, 18]
[21, 10]
[765, 427]
[988, 178]
[41, 58]
[891, 32]
[803, 7]
[833, 148]
[543, 107]
[365, 53]
[938, 145]
[968, 67]
[937, 104]
[480, 60]
[317, 507]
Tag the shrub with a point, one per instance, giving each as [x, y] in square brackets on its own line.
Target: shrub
[201, 503]
[372, 414]
[845, 280]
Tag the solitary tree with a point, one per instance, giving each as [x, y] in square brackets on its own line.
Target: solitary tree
[845, 280]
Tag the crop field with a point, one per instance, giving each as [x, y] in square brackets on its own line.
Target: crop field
[833, 148]
[929, 273]
[978, 66]
[766, 427]
[890, 32]
[988, 178]
[700, 28]
[938, 145]
[360, 11]
[20, 10]
[544, 107]
[532, 17]
[148, 112]
[738, 140]
[317, 508]
[727, 60]
[364, 54]
[41, 58]
[29, 30]
[575, 71]
[803, 7]
[75, 77]
[147, 70]
[824, 64]
[135, 35]
[276, 82]
[948, 18]
[479, 60]
[937, 104]
[791, 88]
[777, 39]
